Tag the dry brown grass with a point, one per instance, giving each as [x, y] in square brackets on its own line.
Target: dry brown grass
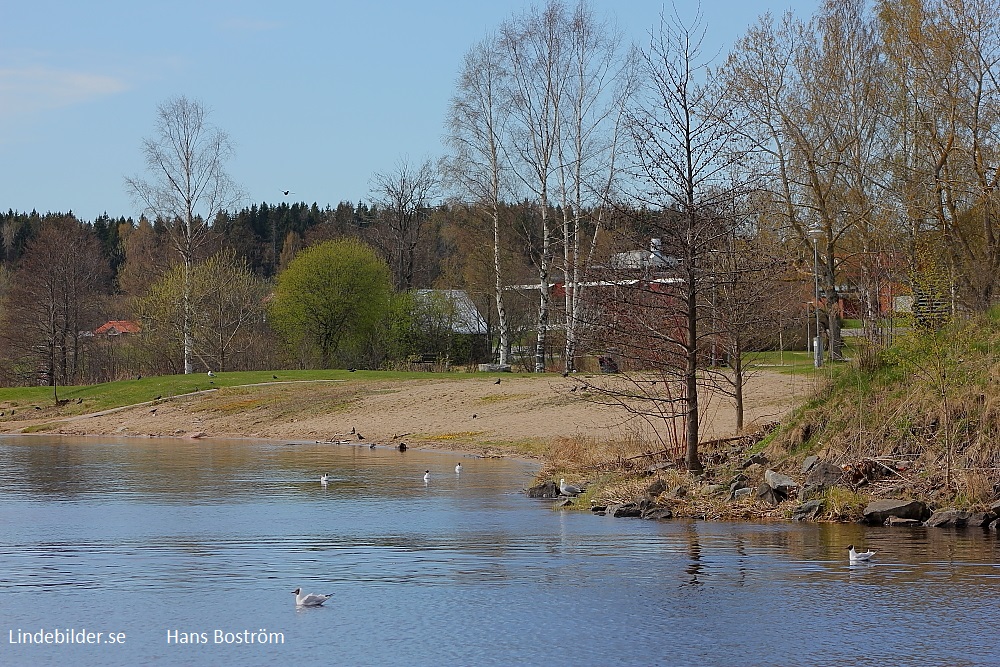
[582, 459]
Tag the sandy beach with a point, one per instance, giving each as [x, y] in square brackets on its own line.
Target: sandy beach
[472, 413]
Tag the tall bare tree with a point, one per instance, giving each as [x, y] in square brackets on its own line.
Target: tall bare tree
[535, 46]
[405, 199]
[188, 186]
[478, 132]
[809, 92]
[944, 57]
[600, 80]
[686, 149]
[54, 298]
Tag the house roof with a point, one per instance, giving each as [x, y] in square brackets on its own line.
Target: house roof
[468, 319]
[116, 327]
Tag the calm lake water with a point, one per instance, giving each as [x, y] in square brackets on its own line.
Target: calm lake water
[163, 540]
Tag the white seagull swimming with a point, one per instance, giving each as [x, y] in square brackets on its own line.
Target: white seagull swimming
[427, 475]
[458, 469]
[568, 489]
[324, 478]
[862, 557]
[309, 600]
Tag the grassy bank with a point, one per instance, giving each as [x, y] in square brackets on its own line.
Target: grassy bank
[917, 420]
[920, 420]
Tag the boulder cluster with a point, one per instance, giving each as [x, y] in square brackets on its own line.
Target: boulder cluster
[891, 512]
[818, 476]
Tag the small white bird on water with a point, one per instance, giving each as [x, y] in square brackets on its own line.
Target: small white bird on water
[568, 489]
[427, 475]
[309, 600]
[862, 557]
[324, 479]
[458, 469]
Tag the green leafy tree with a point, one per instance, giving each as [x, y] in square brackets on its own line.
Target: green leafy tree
[227, 305]
[331, 299]
[230, 310]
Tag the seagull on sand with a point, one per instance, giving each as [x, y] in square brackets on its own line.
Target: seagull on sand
[568, 489]
[309, 600]
[856, 557]
[497, 382]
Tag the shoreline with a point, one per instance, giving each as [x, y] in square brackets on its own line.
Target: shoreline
[535, 419]
[695, 499]
[667, 493]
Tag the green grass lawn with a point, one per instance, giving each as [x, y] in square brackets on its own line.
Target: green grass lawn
[798, 362]
[93, 398]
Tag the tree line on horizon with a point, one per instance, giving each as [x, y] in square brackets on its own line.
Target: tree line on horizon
[854, 153]
[132, 275]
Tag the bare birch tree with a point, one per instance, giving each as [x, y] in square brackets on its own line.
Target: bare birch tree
[534, 45]
[478, 132]
[600, 81]
[188, 186]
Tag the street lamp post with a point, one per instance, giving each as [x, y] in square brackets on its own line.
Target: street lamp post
[815, 233]
[809, 343]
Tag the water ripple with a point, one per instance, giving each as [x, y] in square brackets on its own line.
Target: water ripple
[152, 535]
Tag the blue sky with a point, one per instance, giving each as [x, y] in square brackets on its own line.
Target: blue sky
[317, 96]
